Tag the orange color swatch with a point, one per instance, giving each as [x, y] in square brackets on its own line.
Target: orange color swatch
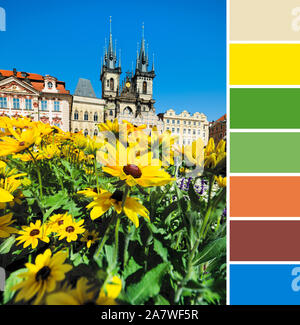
[264, 196]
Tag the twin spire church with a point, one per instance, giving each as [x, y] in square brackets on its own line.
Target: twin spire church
[131, 99]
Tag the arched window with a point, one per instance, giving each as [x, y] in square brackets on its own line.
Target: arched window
[76, 115]
[128, 110]
[95, 117]
[95, 132]
[86, 132]
[111, 84]
[144, 87]
[86, 116]
[107, 83]
[111, 113]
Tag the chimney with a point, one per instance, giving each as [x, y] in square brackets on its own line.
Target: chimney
[15, 71]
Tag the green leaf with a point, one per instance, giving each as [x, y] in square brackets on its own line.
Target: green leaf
[131, 268]
[149, 286]
[212, 250]
[12, 280]
[160, 300]
[160, 250]
[7, 244]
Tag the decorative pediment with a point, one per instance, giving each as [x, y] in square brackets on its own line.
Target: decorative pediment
[14, 85]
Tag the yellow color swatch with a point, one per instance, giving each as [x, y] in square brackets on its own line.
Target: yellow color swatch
[264, 64]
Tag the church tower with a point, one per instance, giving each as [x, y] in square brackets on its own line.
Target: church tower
[143, 79]
[110, 72]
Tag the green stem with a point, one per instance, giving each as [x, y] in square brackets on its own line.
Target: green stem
[38, 172]
[105, 236]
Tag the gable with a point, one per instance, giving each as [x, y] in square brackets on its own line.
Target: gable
[15, 86]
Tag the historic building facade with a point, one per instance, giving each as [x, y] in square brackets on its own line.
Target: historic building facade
[217, 129]
[87, 110]
[42, 98]
[130, 99]
[187, 127]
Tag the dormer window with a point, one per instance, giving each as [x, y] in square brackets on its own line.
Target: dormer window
[50, 85]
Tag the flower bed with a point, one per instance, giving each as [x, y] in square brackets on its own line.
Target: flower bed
[77, 227]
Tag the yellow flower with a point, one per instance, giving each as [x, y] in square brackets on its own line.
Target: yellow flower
[29, 235]
[48, 152]
[142, 170]
[84, 295]
[90, 237]
[42, 276]
[57, 221]
[213, 156]
[106, 200]
[90, 192]
[5, 230]
[109, 126]
[110, 291]
[221, 181]
[19, 141]
[70, 229]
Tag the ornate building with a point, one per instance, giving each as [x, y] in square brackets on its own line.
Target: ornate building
[188, 127]
[131, 100]
[88, 110]
[42, 98]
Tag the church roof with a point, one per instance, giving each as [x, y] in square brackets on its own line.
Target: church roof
[84, 88]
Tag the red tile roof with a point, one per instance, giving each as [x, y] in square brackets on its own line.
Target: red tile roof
[37, 80]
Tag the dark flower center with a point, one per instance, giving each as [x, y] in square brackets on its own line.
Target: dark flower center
[43, 273]
[95, 190]
[70, 229]
[132, 170]
[21, 144]
[34, 232]
[118, 196]
[60, 222]
[90, 303]
[90, 237]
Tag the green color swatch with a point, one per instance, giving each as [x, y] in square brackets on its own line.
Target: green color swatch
[263, 108]
[261, 152]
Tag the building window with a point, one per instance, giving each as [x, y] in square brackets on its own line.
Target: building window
[184, 122]
[168, 121]
[144, 87]
[28, 103]
[111, 113]
[86, 116]
[198, 132]
[76, 115]
[111, 84]
[76, 131]
[203, 134]
[86, 132]
[95, 132]
[189, 122]
[16, 103]
[107, 83]
[184, 131]
[194, 123]
[189, 131]
[173, 130]
[3, 102]
[178, 122]
[95, 117]
[194, 132]
[177, 130]
[56, 106]
[173, 121]
[44, 105]
[50, 85]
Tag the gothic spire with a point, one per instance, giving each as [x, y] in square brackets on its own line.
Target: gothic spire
[142, 61]
[110, 59]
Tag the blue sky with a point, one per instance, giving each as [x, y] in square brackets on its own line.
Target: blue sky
[65, 38]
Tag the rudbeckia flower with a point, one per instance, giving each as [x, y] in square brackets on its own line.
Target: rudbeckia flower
[42, 276]
[213, 156]
[19, 141]
[29, 235]
[70, 229]
[221, 180]
[83, 294]
[90, 237]
[132, 207]
[5, 222]
[143, 170]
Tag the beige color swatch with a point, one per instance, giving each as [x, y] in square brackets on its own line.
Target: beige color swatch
[264, 20]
